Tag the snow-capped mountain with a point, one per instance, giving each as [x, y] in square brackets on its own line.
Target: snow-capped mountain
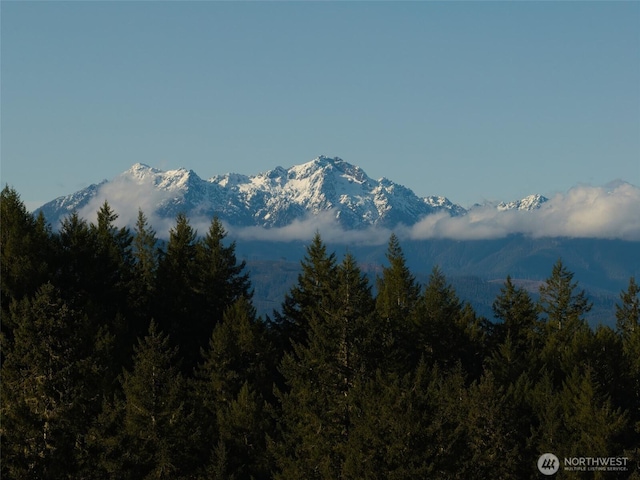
[532, 202]
[274, 198]
[271, 199]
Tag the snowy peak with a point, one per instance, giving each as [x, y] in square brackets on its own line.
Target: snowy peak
[167, 180]
[529, 203]
[274, 198]
[141, 171]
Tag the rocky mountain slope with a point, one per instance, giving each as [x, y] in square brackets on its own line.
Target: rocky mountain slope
[271, 199]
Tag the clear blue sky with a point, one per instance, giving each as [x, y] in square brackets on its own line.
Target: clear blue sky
[474, 101]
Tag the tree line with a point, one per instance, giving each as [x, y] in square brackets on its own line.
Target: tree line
[124, 358]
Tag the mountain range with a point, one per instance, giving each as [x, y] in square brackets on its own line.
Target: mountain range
[274, 198]
[272, 215]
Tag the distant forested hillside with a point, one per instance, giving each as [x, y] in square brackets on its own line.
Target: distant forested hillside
[476, 269]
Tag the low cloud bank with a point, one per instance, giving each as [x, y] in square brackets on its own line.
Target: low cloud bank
[611, 212]
[582, 212]
[126, 197]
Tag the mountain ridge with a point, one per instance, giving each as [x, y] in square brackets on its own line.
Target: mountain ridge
[482, 243]
[274, 198]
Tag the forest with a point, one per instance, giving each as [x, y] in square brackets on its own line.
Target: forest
[126, 358]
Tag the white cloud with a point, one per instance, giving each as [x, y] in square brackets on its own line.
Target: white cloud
[125, 197]
[325, 223]
[584, 211]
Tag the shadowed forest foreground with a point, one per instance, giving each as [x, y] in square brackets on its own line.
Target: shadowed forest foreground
[123, 360]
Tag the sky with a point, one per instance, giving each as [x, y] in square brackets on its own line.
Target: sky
[475, 101]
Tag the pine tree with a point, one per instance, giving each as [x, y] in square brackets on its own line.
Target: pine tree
[439, 329]
[25, 252]
[547, 432]
[243, 425]
[238, 354]
[561, 305]
[177, 301]
[306, 297]
[52, 382]
[591, 422]
[156, 435]
[410, 427]
[628, 330]
[218, 468]
[517, 311]
[222, 280]
[610, 368]
[628, 311]
[321, 377]
[397, 297]
[492, 436]
[112, 281]
[397, 289]
[113, 243]
[76, 262]
[444, 395]
[353, 310]
[566, 334]
[388, 438]
[515, 337]
[231, 384]
[145, 253]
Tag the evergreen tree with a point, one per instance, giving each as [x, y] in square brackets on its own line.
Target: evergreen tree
[398, 295]
[566, 334]
[322, 376]
[410, 427]
[197, 281]
[218, 468]
[472, 345]
[590, 420]
[25, 252]
[547, 433]
[112, 282]
[156, 435]
[306, 297]
[515, 336]
[352, 308]
[628, 329]
[222, 280]
[561, 305]
[397, 289]
[445, 327]
[76, 260]
[238, 354]
[243, 425]
[506, 362]
[177, 301]
[491, 430]
[219, 283]
[145, 253]
[388, 436]
[113, 249]
[518, 314]
[52, 381]
[444, 396]
[628, 311]
[609, 366]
